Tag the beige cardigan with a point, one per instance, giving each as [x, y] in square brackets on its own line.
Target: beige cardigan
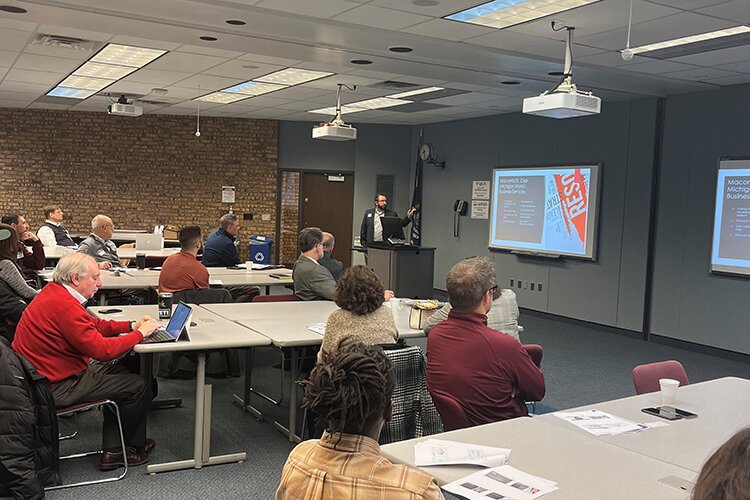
[377, 327]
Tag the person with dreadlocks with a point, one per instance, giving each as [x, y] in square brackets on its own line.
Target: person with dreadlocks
[350, 390]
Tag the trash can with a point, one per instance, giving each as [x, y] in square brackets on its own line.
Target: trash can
[260, 249]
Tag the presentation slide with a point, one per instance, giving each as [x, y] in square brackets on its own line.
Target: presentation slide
[545, 210]
[731, 242]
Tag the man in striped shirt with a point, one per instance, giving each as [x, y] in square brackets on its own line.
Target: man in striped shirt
[350, 391]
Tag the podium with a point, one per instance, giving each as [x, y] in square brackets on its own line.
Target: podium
[407, 270]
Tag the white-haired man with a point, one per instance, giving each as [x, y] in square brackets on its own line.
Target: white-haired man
[99, 246]
[59, 337]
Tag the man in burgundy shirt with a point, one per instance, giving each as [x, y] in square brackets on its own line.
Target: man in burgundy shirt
[487, 372]
[59, 337]
[183, 271]
[30, 261]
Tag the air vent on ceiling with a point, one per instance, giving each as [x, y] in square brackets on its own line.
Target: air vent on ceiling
[66, 42]
[393, 84]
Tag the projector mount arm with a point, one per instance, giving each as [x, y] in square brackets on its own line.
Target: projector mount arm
[566, 82]
[337, 120]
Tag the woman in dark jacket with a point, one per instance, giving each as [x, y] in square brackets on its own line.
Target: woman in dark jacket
[28, 430]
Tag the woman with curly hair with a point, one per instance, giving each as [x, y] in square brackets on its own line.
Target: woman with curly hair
[362, 317]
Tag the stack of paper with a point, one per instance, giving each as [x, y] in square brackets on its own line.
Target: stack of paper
[440, 452]
[504, 482]
[319, 328]
[599, 423]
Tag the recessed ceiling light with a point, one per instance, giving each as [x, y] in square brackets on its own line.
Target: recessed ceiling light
[510, 82]
[505, 13]
[208, 38]
[102, 70]
[409, 93]
[293, 76]
[253, 88]
[360, 61]
[126, 55]
[401, 50]
[222, 98]
[236, 22]
[12, 9]
[555, 73]
[425, 3]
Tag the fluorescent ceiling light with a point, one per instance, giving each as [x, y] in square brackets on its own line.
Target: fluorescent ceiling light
[379, 102]
[702, 37]
[293, 76]
[107, 71]
[222, 98]
[253, 88]
[85, 82]
[415, 92]
[71, 93]
[126, 55]
[504, 13]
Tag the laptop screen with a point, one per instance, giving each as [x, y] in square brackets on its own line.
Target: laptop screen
[180, 316]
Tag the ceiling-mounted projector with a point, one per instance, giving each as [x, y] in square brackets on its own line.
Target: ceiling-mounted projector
[123, 108]
[565, 100]
[336, 129]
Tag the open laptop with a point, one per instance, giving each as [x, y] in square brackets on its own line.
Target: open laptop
[148, 241]
[176, 328]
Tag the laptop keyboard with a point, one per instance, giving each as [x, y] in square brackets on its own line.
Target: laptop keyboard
[160, 335]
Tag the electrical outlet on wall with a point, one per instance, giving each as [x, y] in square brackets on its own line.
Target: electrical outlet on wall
[512, 282]
[539, 286]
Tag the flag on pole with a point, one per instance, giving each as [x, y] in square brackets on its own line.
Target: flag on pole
[416, 199]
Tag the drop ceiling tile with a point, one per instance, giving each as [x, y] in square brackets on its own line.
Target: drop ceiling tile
[208, 82]
[716, 57]
[658, 30]
[370, 15]
[268, 113]
[7, 58]
[10, 103]
[495, 103]
[14, 24]
[461, 99]
[10, 86]
[312, 8]
[555, 49]
[53, 64]
[740, 67]
[504, 40]
[700, 74]
[440, 9]
[299, 92]
[689, 4]
[655, 67]
[60, 52]
[278, 61]
[244, 70]
[737, 10]
[447, 30]
[295, 106]
[37, 77]
[144, 42]
[611, 59]
[731, 80]
[156, 77]
[183, 93]
[208, 51]
[176, 61]
[126, 87]
[14, 40]
[331, 82]
[264, 101]
[47, 105]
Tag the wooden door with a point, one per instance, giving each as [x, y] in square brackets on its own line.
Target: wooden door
[327, 202]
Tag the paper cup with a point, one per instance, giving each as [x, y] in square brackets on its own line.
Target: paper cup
[668, 391]
[249, 265]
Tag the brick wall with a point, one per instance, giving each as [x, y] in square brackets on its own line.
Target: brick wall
[289, 216]
[140, 171]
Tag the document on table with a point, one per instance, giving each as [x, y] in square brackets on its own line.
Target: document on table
[599, 423]
[215, 281]
[319, 328]
[504, 482]
[441, 452]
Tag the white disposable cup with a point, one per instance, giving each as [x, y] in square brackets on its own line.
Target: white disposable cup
[249, 265]
[668, 391]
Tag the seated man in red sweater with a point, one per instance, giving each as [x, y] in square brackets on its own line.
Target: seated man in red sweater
[183, 271]
[58, 336]
[487, 372]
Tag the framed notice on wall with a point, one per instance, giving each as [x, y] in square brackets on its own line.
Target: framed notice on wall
[227, 194]
[480, 190]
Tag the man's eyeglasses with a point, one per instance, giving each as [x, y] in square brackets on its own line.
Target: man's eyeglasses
[493, 290]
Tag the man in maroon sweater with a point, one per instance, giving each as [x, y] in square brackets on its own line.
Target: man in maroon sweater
[59, 337]
[487, 372]
[30, 261]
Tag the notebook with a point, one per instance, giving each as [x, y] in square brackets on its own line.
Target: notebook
[175, 329]
[149, 241]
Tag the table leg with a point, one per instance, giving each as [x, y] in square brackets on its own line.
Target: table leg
[291, 432]
[202, 437]
[244, 402]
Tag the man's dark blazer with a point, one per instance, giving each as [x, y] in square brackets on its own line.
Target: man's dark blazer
[335, 266]
[367, 231]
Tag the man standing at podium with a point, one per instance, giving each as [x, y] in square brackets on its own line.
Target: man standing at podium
[372, 229]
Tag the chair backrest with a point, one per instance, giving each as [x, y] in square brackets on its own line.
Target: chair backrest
[646, 377]
[414, 414]
[536, 352]
[451, 412]
[276, 298]
[203, 296]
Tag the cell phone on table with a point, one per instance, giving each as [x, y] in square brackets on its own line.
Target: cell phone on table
[110, 311]
[668, 412]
